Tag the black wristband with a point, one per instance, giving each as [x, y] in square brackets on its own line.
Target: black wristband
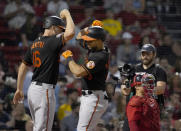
[69, 59]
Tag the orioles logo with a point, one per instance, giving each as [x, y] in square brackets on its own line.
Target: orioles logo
[90, 65]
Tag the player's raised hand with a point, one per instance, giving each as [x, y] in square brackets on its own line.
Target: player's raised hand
[18, 97]
[64, 13]
[97, 23]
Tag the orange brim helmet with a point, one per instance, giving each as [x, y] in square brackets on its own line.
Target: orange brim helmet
[95, 33]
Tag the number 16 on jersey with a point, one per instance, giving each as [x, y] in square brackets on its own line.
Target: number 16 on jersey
[36, 59]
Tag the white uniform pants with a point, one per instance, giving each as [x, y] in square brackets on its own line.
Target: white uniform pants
[41, 100]
[91, 109]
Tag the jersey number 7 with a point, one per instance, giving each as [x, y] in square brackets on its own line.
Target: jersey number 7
[36, 59]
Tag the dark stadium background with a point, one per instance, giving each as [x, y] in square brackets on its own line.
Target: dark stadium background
[129, 23]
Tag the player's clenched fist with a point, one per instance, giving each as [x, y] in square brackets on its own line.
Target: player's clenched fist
[97, 23]
[64, 13]
[67, 54]
[18, 97]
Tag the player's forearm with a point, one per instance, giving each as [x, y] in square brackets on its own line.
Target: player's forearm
[160, 90]
[76, 69]
[21, 76]
[70, 27]
[160, 87]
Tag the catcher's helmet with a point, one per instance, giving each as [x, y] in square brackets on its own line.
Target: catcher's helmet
[145, 80]
[148, 48]
[95, 33]
[53, 20]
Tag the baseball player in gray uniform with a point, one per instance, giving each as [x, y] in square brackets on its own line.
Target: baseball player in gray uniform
[43, 55]
[94, 71]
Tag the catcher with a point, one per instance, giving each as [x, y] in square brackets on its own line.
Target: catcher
[142, 110]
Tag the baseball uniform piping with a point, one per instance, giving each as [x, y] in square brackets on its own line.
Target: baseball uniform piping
[93, 112]
[47, 110]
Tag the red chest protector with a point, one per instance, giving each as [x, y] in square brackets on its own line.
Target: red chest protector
[146, 111]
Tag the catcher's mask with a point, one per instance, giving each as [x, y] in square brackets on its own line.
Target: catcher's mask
[54, 20]
[147, 81]
[95, 33]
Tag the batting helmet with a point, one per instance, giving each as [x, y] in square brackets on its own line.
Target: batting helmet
[95, 33]
[53, 20]
[148, 48]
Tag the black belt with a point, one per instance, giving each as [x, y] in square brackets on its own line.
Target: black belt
[89, 92]
[40, 84]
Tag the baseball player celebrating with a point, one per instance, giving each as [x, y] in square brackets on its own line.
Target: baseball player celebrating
[142, 110]
[43, 55]
[94, 72]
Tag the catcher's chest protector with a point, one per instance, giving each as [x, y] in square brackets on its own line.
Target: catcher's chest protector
[146, 111]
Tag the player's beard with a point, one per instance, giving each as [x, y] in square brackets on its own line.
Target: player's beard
[147, 61]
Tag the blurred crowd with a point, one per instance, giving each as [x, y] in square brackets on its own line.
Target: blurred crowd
[129, 25]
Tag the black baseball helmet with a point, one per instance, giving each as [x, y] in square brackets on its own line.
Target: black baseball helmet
[148, 48]
[95, 33]
[53, 20]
